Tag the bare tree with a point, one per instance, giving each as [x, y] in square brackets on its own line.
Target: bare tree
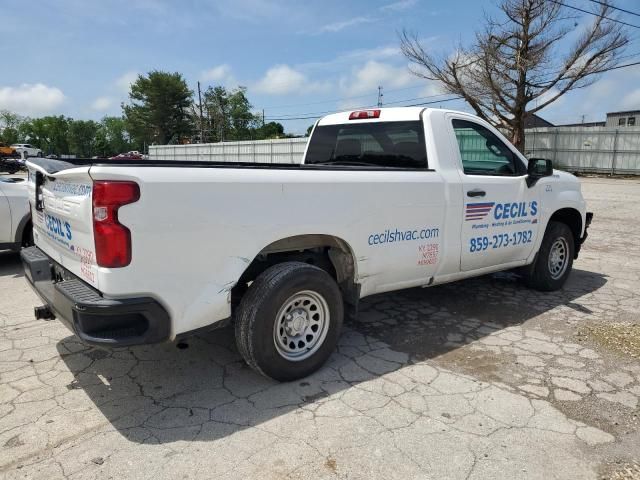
[521, 58]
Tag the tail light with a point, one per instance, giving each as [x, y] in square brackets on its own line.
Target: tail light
[364, 114]
[112, 239]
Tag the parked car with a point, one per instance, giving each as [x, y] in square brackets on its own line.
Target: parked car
[12, 165]
[133, 155]
[8, 152]
[15, 217]
[27, 150]
[385, 199]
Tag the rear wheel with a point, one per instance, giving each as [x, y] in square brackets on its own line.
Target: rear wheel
[288, 323]
[554, 261]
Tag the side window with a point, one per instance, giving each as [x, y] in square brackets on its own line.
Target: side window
[631, 122]
[622, 122]
[482, 152]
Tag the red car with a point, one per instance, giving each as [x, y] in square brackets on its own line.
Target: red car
[134, 155]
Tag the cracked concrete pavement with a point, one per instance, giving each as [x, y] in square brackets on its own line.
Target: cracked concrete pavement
[478, 379]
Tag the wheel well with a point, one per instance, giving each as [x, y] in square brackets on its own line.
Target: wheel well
[324, 251]
[27, 234]
[572, 218]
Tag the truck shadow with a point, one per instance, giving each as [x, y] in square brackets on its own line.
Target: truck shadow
[10, 264]
[202, 390]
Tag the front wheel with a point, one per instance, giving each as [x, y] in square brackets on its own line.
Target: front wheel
[554, 261]
[288, 323]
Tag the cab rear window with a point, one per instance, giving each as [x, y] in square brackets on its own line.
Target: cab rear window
[379, 144]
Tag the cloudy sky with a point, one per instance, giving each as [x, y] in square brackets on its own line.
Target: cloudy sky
[297, 59]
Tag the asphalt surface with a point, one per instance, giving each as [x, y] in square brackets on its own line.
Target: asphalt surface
[479, 379]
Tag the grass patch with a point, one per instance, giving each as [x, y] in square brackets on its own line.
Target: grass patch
[622, 338]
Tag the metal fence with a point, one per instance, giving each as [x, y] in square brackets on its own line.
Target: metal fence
[283, 150]
[580, 149]
[587, 149]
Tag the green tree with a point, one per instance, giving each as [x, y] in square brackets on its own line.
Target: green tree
[113, 131]
[228, 115]
[50, 133]
[9, 127]
[269, 130]
[82, 137]
[159, 109]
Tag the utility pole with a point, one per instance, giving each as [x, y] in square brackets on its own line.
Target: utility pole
[380, 95]
[201, 121]
[263, 117]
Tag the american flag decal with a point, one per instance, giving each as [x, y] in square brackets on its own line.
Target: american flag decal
[477, 211]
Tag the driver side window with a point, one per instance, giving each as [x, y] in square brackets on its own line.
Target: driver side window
[482, 152]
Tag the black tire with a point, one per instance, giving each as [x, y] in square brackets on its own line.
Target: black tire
[540, 275]
[259, 309]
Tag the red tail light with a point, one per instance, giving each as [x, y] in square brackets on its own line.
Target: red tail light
[364, 114]
[112, 239]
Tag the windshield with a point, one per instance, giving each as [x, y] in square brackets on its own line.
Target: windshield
[379, 144]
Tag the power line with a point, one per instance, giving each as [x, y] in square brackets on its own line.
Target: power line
[319, 102]
[599, 2]
[313, 115]
[595, 14]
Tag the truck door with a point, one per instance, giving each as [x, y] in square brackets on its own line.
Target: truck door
[500, 215]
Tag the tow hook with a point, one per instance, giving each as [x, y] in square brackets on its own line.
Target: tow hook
[43, 313]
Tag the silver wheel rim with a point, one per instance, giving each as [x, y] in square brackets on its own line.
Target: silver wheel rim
[558, 258]
[301, 325]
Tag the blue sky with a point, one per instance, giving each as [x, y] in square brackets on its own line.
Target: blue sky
[78, 57]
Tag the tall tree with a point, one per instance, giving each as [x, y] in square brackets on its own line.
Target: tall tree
[524, 57]
[9, 127]
[159, 109]
[228, 114]
[115, 134]
[49, 133]
[82, 137]
[269, 130]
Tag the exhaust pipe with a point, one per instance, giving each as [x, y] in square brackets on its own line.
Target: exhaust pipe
[43, 313]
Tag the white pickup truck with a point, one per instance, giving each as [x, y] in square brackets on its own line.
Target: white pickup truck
[131, 253]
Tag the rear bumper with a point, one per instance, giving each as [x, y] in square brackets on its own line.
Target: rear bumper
[94, 319]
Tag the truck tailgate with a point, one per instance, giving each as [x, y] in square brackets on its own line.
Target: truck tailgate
[63, 218]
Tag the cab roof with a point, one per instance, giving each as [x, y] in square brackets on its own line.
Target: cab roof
[391, 114]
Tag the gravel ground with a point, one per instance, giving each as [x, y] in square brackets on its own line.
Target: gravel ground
[479, 379]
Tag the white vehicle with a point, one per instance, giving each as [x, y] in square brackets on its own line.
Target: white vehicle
[27, 150]
[385, 199]
[15, 217]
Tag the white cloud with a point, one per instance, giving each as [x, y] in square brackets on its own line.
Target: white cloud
[352, 22]
[124, 81]
[282, 80]
[366, 78]
[220, 74]
[31, 99]
[398, 6]
[102, 104]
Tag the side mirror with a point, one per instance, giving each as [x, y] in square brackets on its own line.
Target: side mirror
[538, 168]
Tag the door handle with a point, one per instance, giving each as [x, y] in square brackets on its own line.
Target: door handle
[476, 193]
